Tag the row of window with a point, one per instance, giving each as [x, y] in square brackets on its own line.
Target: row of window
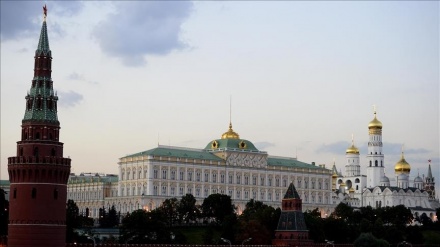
[34, 193]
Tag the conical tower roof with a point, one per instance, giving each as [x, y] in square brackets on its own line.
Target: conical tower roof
[43, 44]
[41, 100]
[291, 193]
[429, 170]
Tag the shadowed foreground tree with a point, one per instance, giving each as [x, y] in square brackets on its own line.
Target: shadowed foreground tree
[74, 221]
[187, 209]
[4, 214]
[368, 240]
[315, 225]
[108, 219]
[259, 222]
[141, 227]
[217, 207]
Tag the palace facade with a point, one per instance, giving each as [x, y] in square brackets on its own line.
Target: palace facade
[229, 165]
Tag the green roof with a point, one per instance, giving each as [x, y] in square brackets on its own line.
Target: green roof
[43, 43]
[41, 95]
[4, 183]
[184, 153]
[290, 162]
[239, 144]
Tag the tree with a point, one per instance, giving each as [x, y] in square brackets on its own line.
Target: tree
[143, 227]
[169, 210]
[365, 226]
[400, 216]
[187, 209]
[315, 225]
[217, 207]
[343, 211]
[74, 220]
[4, 214]
[110, 219]
[366, 240]
[379, 229]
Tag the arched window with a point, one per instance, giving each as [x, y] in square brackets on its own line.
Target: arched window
[375, 163]
[53, 152]
[370, 163]
[34, 193]
[36, 152]
[37, 136]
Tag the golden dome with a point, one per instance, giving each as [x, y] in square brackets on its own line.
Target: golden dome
[342, 184]
[402, 166]
[352, 150]
[334, 175]
[351, 190]
[230, 134]
[375, 124]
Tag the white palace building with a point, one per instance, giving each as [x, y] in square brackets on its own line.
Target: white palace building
[229, 165]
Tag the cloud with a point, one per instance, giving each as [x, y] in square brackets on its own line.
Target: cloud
[69, 99]
[76, 76]
[23, 18]
[263, 145]
[79, 77]
[388, 148]
[142, 28]
[334, 148]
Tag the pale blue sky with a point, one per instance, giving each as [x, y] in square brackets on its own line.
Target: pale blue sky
[303, 77]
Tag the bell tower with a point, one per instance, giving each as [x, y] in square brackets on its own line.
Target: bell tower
[38, 173]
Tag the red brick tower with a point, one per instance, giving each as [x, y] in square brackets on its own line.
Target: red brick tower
[38, 173]
[291, 229]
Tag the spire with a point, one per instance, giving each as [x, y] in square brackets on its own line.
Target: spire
[43, 43]
[429, 170]
[41, 101]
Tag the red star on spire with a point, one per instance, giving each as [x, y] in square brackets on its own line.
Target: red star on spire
[45, 10]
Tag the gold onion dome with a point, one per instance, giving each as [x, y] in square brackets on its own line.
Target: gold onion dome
[230, 134]
[351, 190]
[352, 150]
[375, 124]
[402, 165]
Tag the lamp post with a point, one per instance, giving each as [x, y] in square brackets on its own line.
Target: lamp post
[246, 240]
[404, 243]
[91, 238]
[128, 240]
[329, 243]
[226, 241]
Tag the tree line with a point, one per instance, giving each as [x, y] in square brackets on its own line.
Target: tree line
[217, 218]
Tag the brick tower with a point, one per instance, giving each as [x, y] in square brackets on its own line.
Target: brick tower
[38, 174]
[291, 229]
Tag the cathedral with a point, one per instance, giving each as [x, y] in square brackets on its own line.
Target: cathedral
[375, 189]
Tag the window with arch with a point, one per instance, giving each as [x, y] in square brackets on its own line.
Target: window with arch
[370, 163]
[34, 193]
[375, 163]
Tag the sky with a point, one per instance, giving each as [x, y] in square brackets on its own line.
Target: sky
[298, 79]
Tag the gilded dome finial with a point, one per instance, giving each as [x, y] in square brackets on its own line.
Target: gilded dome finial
[352, 149]
[375, 124]
[402, 166]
